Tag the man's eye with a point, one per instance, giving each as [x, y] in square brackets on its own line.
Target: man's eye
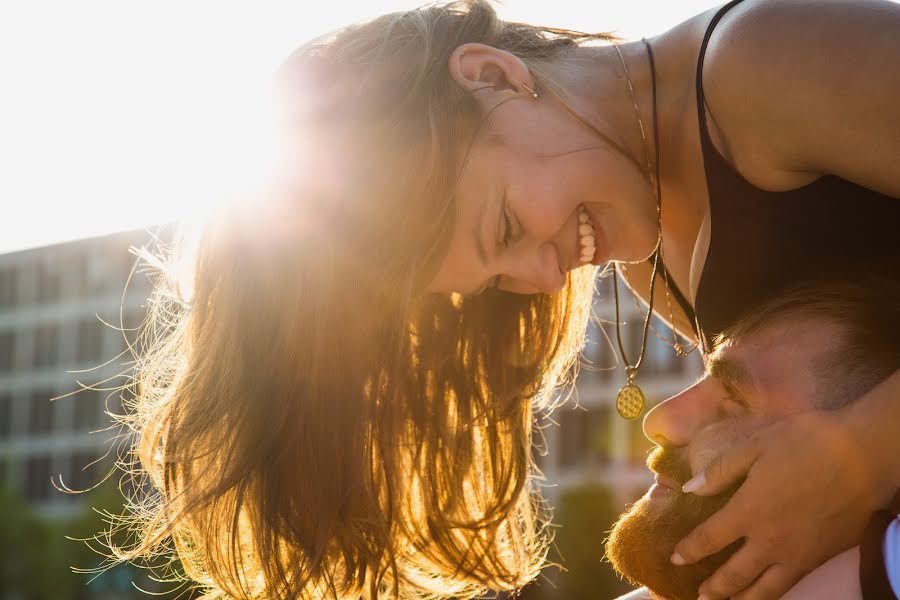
[732, 396]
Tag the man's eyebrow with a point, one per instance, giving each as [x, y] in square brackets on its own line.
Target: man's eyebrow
[729, 371]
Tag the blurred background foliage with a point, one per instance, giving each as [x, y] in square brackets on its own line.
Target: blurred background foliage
[37, 555]
[582, 520]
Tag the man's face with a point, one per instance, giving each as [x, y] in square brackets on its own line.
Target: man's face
[765, 376]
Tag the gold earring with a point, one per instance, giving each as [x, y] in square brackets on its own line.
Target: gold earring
[534, 93]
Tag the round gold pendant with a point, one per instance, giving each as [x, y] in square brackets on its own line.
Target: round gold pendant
[630, 401]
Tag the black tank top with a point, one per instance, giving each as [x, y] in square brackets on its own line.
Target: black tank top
[763, 242]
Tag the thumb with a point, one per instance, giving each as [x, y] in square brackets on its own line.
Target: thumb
[726, 469]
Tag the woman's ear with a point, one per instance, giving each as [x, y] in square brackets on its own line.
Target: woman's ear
[489, 73]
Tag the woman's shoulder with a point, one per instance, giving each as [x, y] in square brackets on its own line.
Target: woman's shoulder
[777, 80]
[754, 33]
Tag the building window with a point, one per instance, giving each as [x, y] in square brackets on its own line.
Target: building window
[574, 437]
[126, 262]
[600, 434]
[71, 268]
[84, 472]
[133, 319]
[583, 437]
[658, 357]
[7, 350]
[37, 478]
[89, 409]
[94, 273]
[48, 282]
[599, 358]
[639, 447]
[46, 338]
[5, 416]
[8, 287]
[90, 340]
[41, 418]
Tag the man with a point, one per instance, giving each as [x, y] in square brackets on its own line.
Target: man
[814, 348]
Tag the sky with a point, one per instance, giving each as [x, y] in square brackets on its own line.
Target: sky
[120, 114]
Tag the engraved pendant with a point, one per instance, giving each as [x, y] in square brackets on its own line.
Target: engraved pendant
[630, 401]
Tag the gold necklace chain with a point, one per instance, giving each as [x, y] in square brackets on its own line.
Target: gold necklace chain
[676, 345]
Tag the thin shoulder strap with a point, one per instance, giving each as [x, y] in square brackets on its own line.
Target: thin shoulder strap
[680, 298]
[701, 103]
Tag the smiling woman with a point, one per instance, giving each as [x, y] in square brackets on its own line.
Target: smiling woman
[288, 458]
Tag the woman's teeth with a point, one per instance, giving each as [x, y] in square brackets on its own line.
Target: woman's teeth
[587, 243]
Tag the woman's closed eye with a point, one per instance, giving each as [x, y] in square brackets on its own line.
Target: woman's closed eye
[505, 236]
[506, 229]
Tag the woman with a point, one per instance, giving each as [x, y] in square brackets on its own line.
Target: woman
[344, 407]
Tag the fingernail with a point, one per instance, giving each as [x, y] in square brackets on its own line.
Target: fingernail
[703, 597]
[694, 484]
[677, 559]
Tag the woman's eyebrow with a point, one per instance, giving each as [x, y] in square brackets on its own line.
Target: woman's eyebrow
[477, 234]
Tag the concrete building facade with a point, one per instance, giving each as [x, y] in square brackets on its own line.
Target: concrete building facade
[60, 311]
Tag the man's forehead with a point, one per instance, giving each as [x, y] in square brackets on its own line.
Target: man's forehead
[778, 354]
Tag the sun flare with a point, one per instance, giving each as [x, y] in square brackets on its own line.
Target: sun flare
[118, 115]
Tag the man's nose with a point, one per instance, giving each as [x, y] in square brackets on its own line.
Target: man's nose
[675, 422]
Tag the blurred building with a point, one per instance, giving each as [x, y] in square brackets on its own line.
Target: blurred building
[61, 311]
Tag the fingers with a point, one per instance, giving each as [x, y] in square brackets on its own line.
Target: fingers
[737, 573]
[724, 470]
[774, 583]
[712, 535]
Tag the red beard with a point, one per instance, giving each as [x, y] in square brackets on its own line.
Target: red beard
[643, 539]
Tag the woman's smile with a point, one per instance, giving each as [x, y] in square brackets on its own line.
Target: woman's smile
[592, 244]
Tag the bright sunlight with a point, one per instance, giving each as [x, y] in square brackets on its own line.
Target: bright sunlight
[118, 115]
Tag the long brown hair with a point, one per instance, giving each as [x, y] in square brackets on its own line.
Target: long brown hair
[311, 423]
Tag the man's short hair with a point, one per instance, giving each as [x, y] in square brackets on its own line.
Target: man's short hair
[868, 351]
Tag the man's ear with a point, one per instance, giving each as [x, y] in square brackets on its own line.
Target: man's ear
[490, 74]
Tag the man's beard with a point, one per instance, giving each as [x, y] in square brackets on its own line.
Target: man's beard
[643, 539]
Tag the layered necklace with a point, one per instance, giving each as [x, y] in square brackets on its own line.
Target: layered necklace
[630, 400]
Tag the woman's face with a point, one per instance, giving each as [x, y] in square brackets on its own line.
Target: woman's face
[530, 173]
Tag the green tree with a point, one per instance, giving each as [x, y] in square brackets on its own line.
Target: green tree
[15, 524]
[584, 517]
[33, 560]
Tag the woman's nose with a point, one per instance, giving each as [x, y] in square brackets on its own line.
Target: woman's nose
[541, 271]
[675, 422]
